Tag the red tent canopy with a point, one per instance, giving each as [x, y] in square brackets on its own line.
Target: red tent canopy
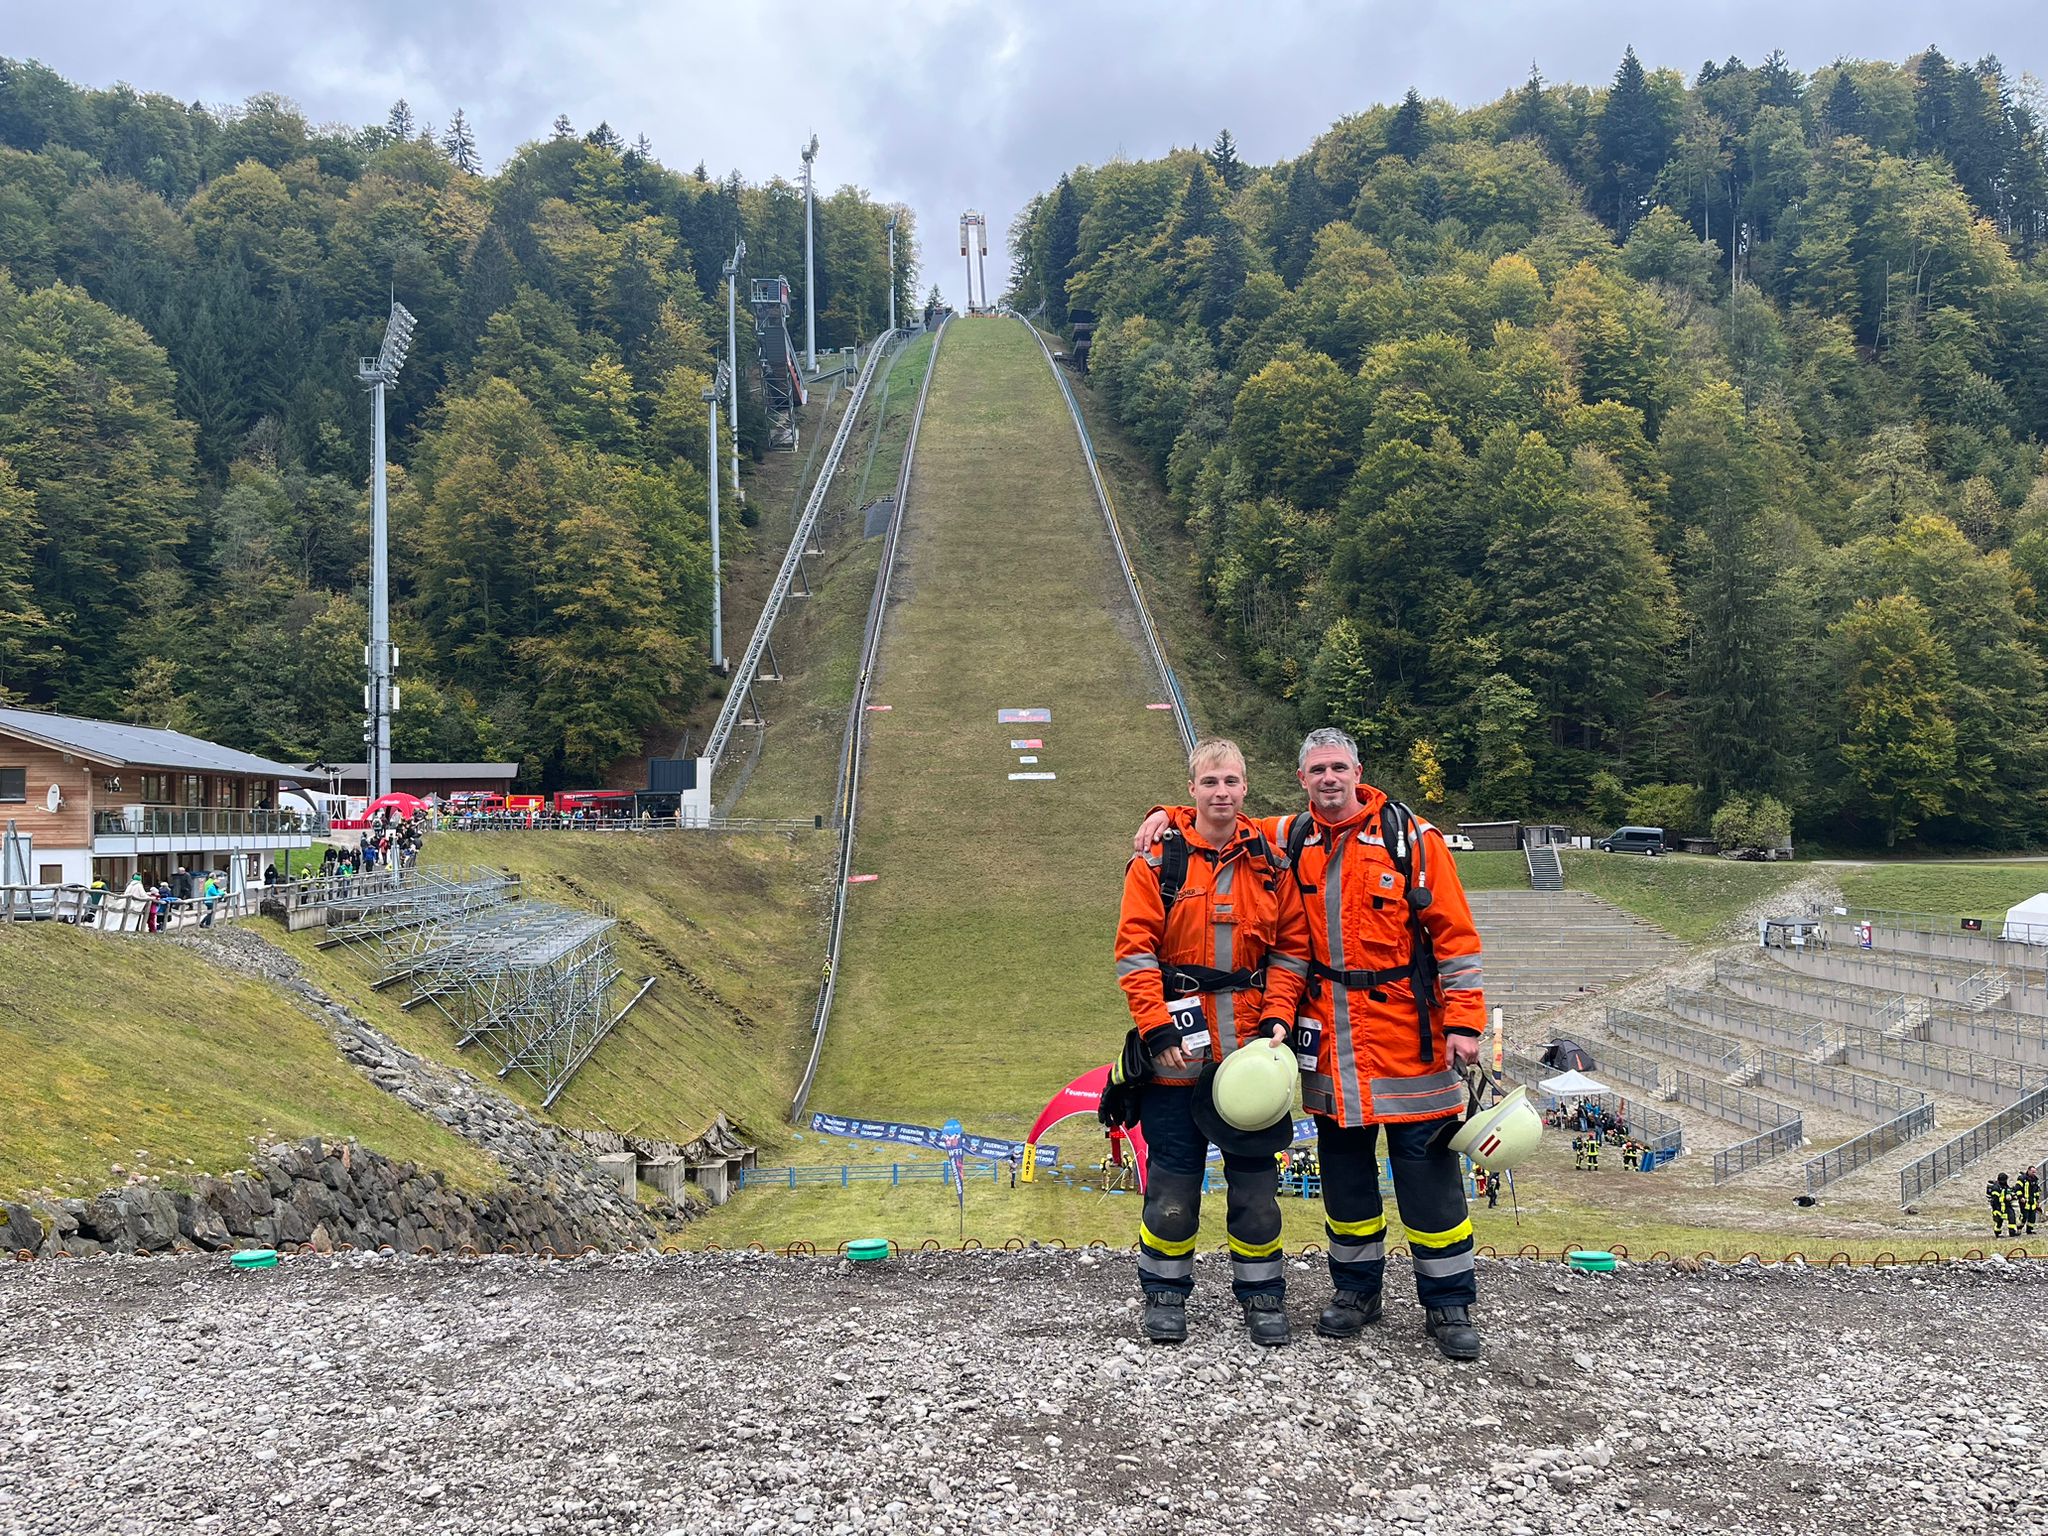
[1082, 1097]
[398, 803]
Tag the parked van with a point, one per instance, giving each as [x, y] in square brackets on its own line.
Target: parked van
[1649, 840]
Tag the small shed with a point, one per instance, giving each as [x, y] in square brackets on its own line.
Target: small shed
[1493, 836]
[2027, 923]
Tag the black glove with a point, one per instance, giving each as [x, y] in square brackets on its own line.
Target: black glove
[1127, 1074]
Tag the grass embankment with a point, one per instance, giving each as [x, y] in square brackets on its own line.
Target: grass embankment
[118, 1047]
[728, 923]
[1696, 898]
[1954, 890]
[817, 642]
[976, 972]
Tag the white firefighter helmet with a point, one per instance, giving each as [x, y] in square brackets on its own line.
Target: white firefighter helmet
[1254, 1085]
[1501, 1135]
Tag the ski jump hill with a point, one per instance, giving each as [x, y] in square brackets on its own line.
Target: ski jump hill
[975, 967]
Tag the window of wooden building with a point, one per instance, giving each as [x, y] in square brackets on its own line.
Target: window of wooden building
[13, 784]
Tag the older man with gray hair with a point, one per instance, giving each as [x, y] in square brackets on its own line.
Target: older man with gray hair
[1393, 1016]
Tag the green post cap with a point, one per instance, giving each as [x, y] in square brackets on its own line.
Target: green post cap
[254, 1258]
[1592, 1260]
[865, 1250]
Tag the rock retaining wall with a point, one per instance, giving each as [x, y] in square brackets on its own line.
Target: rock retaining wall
[323, 1194]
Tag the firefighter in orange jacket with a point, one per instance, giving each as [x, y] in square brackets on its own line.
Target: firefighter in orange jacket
[1211, 950]
[1393, 1015]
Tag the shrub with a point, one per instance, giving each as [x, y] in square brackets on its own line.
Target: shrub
[1674, 807]
[1752, 825]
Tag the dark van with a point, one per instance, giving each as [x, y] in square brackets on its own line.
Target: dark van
[1649, 840]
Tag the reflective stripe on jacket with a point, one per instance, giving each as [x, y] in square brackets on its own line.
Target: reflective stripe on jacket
[1235, 913]
[1370, 1068]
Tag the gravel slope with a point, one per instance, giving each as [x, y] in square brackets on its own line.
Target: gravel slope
[1003, 1392]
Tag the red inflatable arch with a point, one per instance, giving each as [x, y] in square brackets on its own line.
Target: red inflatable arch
[1081, 1097]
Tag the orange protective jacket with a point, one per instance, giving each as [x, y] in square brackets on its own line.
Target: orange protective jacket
[1371, 1067]
[1236, 911]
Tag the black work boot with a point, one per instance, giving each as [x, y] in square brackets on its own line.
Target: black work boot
[1166, 1317]
[1349, 1314]
[1452, 1329]
[1266, 1319]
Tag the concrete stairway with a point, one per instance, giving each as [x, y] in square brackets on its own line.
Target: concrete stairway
[1546, 869]
[1548, 948]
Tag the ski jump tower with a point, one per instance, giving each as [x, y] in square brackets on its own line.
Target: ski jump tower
[973, 225]
[782, 373]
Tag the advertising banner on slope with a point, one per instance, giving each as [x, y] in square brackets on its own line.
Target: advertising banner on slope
[901, 1133]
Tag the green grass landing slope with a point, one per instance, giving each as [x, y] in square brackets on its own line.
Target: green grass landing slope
[976, 973]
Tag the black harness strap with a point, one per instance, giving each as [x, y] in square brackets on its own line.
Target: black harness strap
[1404, 848]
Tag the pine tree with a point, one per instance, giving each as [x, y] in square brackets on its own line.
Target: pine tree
[399, 124]
[1408, 133]
[643, 147]
[1634, 142]
[1223, 157]
[563, 128]
[459, 145]
[1841, 114]
[605, 136]
[1063, 244]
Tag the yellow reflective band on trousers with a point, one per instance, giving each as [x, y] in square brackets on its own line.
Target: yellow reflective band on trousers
[1254, 1250]
[1365, 1228]
[1174, 1248]
[1440, 1239]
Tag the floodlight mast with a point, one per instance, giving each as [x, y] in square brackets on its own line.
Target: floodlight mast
[732, 358]
[810, 274]
[380, 698]
[892, 271]
[710, 397]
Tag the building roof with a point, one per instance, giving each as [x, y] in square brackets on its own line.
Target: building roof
[137, 746]
[507, 771]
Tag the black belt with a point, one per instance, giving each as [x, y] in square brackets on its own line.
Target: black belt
[1371, 981]
[1185, 980]
[1361, 981]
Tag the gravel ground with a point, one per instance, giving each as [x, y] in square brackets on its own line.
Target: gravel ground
[1004, 1393]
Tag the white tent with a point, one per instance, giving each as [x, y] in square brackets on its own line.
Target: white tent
[1573, 1082]
[2027, 923]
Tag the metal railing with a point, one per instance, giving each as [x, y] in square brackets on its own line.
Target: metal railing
[2005, 1032]
[123, 911]
[846, 797]
[1738, 1106]
[1861, 1151]
[1870, 1098]
[1952, 1157]
[742, 680]
[1696, 1045]
[1637, 1071]
[196, 821]
[1758, 1150]
[1183, 717]
[1744, 1018]
[502, 821]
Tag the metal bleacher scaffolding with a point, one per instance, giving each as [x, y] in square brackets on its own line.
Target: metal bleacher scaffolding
[527, 982]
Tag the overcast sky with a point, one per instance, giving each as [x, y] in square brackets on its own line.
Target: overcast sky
[946, 104]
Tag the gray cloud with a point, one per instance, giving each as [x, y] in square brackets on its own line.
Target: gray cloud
[946, 104]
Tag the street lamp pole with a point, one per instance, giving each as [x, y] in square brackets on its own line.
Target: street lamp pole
[380, 698]
[810, 273]
[732, 358]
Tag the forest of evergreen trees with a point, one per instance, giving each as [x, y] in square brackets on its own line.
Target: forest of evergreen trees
[184, 293]
[1618, 453]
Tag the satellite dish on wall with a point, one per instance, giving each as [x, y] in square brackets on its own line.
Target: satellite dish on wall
[53, 799]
